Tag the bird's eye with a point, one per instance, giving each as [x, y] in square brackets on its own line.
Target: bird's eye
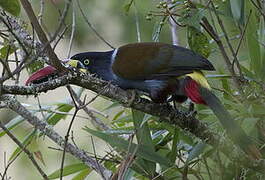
[86, 62]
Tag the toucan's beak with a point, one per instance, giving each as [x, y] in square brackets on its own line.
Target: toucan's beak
[76, 64]
[49, 71]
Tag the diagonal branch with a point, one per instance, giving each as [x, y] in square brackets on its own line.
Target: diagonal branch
[42, 36]
[29, 154]
[44, 127]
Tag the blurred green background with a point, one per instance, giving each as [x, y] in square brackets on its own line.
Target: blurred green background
[118, 27]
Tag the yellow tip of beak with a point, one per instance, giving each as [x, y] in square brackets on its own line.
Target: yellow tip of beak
[73, 63]
[82, 70]
[76, 64]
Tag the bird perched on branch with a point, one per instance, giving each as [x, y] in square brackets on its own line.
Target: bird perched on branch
[161, 70]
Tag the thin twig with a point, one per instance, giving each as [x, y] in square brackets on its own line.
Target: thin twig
[207, 168]
[68, 131]
[72, 32]
[31, 15]
[6, 166]
[62, 19]
[60, 37]
[91, 26]
[209, 29]
[95, 121]
[40, 15]
[128, 160]
[10, 29]
[227, 39]
[63, 113]
[258, 8]
[173, 26]
[6, 68]
[136, 15]
[94, 152]
[240, 42]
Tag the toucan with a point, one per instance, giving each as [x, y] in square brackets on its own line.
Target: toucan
[161, 70]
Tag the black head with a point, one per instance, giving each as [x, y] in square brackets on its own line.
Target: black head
[82, 60]
[94, 62]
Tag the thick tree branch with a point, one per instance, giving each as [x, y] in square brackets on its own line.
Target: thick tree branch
[44, 127]
[166, 113]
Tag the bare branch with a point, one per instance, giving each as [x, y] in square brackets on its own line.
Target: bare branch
[42, 36]
[94, 120]
[68, 133]
[15, 105]
[91, 26]
[173, 25]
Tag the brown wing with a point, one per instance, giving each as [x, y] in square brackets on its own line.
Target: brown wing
[156, 60]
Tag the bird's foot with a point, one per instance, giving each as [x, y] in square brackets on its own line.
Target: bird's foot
[132, 98]
[191, 112]
[191, 107]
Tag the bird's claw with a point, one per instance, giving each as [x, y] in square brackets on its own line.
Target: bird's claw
[191, 107]
[191, 112]
[132, 98]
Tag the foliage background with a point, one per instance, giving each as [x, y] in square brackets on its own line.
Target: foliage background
[118, 26]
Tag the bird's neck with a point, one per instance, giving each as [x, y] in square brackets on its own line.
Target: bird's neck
[199, 78]
[102, 65]
[193, 83]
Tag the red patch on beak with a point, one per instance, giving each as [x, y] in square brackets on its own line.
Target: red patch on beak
[192, 91]
[41, 74]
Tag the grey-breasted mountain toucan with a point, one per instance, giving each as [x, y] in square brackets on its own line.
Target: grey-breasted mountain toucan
[161, 70]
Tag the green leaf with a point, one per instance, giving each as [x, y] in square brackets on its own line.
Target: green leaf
[249, 124]
[67, 170]
[56, 117]
[121, 144]
[192, 18]
[144, 138]
[158, 28]
[113, 105]
[172, 173]
[195, 152]
[118, 115]
[82, 175]
[11, 6]
[129, 175]
[247, 72]
[35, 66]
[118, 131]
[218, 76]
[127, 6]
[7, 49]
[12, 124]
[198, 42]
[253, 44]
[237, 9]
[174, 150]
[262, 47]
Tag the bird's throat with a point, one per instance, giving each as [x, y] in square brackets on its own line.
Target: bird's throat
[192, 90]
[199, 77]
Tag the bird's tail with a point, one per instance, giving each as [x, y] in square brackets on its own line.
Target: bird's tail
[236, 133]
